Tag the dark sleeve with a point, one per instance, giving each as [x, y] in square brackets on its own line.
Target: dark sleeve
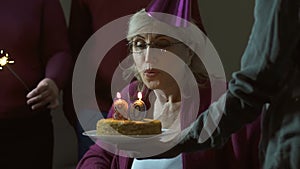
[269, 58]
[266, 65]
[54, 43]
[218, 124]
[95, 158]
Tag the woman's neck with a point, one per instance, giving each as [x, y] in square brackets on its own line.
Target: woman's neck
[171, 94]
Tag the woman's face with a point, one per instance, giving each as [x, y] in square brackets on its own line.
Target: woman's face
[150, 56]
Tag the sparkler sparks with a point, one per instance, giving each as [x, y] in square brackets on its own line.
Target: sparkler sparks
[4, 61]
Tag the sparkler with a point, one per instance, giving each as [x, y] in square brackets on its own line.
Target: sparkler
[4, 61]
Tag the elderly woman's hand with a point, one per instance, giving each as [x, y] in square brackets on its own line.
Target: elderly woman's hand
[45, 94]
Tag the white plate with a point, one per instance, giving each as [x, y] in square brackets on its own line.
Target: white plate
[121, 139]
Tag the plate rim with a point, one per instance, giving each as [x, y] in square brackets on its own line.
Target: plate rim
[92, 133]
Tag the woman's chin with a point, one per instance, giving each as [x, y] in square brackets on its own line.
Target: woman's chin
[152, 84]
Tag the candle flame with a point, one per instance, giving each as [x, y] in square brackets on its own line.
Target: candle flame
[140, 95]
[118, 95]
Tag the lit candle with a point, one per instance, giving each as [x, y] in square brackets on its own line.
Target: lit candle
[138, 109]
[120, 108]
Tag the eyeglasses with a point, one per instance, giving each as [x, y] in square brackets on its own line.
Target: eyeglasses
[138, 46]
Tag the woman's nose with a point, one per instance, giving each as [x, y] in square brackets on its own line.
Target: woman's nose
[150, 55]
[147, 55]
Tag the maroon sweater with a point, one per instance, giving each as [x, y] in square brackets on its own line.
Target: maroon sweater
[34, 33]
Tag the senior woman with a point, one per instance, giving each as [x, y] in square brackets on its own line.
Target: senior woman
[165, 81]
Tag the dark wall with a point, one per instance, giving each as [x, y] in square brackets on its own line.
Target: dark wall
[228, 24]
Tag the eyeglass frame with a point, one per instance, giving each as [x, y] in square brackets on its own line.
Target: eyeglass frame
[151, 45]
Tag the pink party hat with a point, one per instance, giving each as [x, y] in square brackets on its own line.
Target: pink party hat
[183, 11]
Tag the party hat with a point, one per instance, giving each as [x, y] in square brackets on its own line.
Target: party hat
[183, 11]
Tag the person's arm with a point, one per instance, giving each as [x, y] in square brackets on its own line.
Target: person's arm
[54, 43]
[213, 127]
[55, 55]
[219, 124]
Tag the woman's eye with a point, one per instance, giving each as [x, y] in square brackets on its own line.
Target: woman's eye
[140, 44]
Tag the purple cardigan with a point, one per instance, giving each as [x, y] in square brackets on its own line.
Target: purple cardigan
[34, 33]
[240, 152]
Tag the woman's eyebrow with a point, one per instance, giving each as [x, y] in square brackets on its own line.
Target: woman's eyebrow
[155, 37]
[139, 36]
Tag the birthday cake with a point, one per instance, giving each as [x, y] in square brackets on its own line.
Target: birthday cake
[112, 126]
[128, 120]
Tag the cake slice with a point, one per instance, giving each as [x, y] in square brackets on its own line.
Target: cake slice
[112, 126]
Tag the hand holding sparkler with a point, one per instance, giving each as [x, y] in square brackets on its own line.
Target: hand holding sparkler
[45, 94]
